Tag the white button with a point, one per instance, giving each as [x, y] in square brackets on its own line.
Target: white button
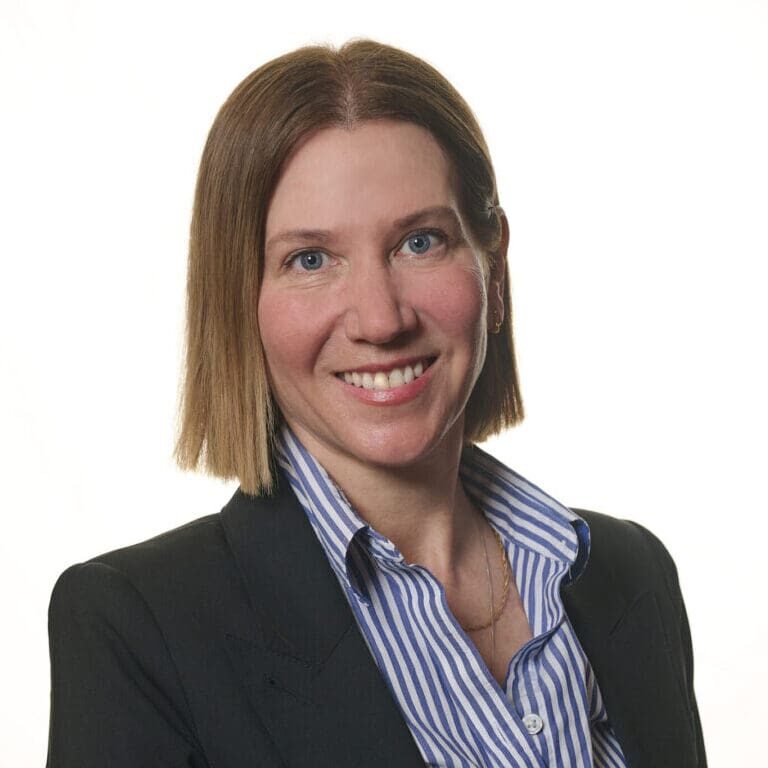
[533, 724]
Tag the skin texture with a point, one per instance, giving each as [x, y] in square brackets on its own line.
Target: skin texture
[374, 299]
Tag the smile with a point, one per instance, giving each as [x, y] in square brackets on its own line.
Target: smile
[389, 378]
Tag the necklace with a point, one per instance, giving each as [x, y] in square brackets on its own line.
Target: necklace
[493, 614]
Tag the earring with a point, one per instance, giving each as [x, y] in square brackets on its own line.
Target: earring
[497, 322]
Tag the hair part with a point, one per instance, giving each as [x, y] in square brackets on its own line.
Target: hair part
[227, 415]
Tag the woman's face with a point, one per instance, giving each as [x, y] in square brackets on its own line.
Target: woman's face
[372, 308]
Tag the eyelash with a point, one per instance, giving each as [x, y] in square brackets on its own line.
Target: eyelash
[291, 260]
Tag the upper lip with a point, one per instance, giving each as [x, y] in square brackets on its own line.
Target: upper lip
[388, 365]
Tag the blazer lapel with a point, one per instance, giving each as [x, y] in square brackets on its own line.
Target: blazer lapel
[625, 638]
[307, 669]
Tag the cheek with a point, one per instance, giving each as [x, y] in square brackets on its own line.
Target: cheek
[456, 301]
[291, 332]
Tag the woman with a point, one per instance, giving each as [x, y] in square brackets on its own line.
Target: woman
[378, 591]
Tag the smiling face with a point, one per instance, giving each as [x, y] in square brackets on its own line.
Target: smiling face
[372, 308]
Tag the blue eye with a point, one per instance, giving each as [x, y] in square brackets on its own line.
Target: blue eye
[311, 260]
[420, 243]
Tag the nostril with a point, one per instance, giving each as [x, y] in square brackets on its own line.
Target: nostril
[377, 327]
[379, 316]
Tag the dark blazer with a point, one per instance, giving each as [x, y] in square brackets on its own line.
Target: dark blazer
[228, 643]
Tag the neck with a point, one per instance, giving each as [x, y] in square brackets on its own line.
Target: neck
[422, 508]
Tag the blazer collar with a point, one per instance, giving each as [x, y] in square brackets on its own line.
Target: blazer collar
[307, 667]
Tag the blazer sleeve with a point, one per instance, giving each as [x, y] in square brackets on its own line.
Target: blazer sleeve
[669, 569]
[116, 696]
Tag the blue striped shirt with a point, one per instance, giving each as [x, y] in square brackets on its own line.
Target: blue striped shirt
[550, 711]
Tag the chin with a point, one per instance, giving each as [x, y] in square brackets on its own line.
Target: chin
[396, 447]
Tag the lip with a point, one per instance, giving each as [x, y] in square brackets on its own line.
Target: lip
[395, 396]
[388, 365]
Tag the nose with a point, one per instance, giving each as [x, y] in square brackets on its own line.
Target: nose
[378, 311]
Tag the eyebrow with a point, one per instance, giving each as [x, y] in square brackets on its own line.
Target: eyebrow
[411, 220]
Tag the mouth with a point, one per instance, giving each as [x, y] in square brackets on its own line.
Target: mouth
[384, 378]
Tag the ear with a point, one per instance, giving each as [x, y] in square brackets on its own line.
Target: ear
[497, 276]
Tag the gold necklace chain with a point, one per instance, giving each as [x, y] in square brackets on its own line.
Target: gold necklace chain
[494, 614]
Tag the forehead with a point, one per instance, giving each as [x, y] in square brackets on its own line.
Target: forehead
[378, 169]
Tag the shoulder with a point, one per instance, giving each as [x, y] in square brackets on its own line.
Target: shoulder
[171, 580]
[187, 575]
[625, 539]
[627, 552]
[162, 559]
[127, 630]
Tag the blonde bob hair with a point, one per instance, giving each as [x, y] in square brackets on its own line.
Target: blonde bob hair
[227, 415]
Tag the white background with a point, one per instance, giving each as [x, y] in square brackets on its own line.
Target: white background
[630, 148]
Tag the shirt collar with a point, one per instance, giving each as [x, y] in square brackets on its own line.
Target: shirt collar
[517, 509]
[523, 512]
[331, 515]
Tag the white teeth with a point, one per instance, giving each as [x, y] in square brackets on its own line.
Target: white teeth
[396, 378]
[382, 380]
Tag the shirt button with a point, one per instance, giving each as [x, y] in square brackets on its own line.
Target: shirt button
[533, 724]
